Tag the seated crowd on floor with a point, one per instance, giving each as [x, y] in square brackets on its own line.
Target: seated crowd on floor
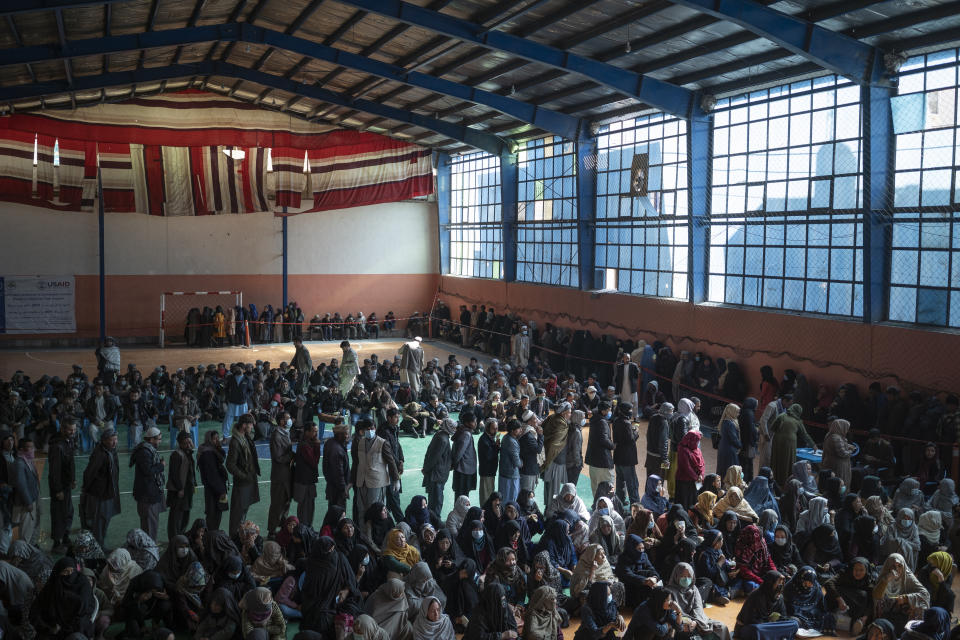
[859, 542]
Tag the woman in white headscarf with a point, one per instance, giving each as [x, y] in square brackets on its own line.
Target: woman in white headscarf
[605, 508]
[904, 537]
[909, 496]
[567, 499]
[594, 567]
[899, 596]
[420, 585]
[685, 408]
[117, 574]
[930, 528]
[432, 623]
[945, 500]
[683, 586]
[366, 628]
[455, 518]
[837, 451]
[816, 514]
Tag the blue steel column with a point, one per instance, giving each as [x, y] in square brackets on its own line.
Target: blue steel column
[699, 171]
[443, 165]
[878, 169]
[587, 209]
[284, 256]
[509, 189]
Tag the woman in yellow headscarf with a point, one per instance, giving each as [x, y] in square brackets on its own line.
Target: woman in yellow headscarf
[936, 576]
[702, 512]
[398, 556]
[733, 501]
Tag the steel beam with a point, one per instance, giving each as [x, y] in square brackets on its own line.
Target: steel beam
[553, 121]
[879, 159]
[13, 7]
[509, 197]
[661, 95]
[472, 137]
[442, 162]
[699, 171]
[846, 56]
[587, 209]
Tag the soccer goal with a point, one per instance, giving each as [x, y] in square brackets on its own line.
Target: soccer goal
[181, 314]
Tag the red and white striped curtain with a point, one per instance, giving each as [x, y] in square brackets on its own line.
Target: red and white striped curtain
[288, 177]
[16, 165]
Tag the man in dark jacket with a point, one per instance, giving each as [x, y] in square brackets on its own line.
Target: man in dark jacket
[100, 496]
[181, 485]
[238, 391]
[508, 482]
[658, 440]
[306, 472]
[464, 460]
[26, 491]
[148, 481]
[472, 408]
[625, 454]
[488, 459]
[62, 480]
[531, 446]
[390, 431]
[244, 465]
[436, 466]
[600, 447]
[213, 475]
[281, 472]
[336, 467]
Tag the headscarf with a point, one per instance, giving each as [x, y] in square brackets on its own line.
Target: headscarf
[734, 478]
[908, 538]
[866, 542]
[733, 501]
[379, 526]
[459, 512]
[768, 522]
[944, 499]
[604, 612]
[827, 542]
[559, 506]
[730, 412]
[804, 602]
[581, 578]
[817, 513]
[512, 577]
[935, 625]
[366, 627]
[783, 554]
[417, 513]
[116, 576]
[730, 538]
[419, 585]
[752, 549]
[493, 610]
[408, 555]
[491, 521]
[885, 627]
[906, 585]
[258, 604]
[551, 576]
[388, 607]
[542, 619]
[66, 599]
[871, 486]
[807, 481]
[652, 499]
[270, 563]
[171, 566]
[689, 598]
[219, 548]
[759, 496]
[706, 501]
[283, 537]
[556, 542]
[908, 495]
[426, 629]
[229, 610]
[874, 506]
[685, 408]
[190, 586]
[944, 562]
[143, 549]
[930, 525]
[327, 573]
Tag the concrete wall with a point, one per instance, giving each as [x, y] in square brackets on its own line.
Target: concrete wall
[375, 258]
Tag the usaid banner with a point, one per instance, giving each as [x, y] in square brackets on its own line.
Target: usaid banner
[37, 304]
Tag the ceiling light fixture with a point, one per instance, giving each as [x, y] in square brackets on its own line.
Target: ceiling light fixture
[236, 154]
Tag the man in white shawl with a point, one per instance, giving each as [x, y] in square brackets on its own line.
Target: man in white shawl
[411, 364]
[568, 499]
[349, 368]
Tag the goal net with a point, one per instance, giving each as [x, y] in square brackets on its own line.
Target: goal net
[182, 319]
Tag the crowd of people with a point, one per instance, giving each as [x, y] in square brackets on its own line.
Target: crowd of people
[217, 326]
[859, 545]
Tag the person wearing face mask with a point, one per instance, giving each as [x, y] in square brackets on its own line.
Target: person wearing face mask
[306, 473]
[61, 480]
[372, 468]
[904, 537]
[763, 615]
[181, 484]
[600, 447]
[685, 593]
[175, 560]
[281, 472]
